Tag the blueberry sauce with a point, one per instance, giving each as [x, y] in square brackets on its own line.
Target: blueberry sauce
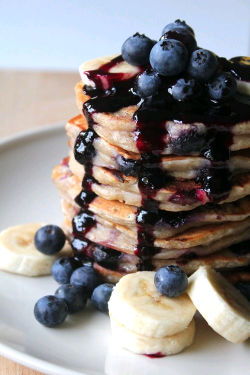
[155, 355]
[238, 66]
[113, 92]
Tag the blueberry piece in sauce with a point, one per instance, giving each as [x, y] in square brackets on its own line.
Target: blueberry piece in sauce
[49, 239]
[147, 83]
[222, 87]
[129, 167]
[86, 277]
[136, 49]
[188, 143]
[83, 222]
[106, 257]
[186, 89]
[63, 268]
[244, 288]
[168, 57]
[101, 296]
[184, 36]
[74, 296]
[177, 24]
[84, 150]
[50, 311]
[171, 281]
[202, 65]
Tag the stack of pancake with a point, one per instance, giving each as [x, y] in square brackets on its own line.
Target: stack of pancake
[156, 181]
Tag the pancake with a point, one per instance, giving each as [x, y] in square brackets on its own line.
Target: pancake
[119, 129]
[175, 196]
[163, 181]
[164, 225]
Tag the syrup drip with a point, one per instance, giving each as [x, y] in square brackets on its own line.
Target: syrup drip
[151, 138]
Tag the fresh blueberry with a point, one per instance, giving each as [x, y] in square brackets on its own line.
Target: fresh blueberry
[106, 257]
[136, 49]
[63, 268]
[74, 296]
[184, 36]
[169, 57]
[202, 65]
[147, 83]
[244, 288]
[222, 86]
[87, 277]
[186, 89]
[50, 311]
[101, 296]
[84, 149]
[171, 281]
[49, 239]
[177, 24]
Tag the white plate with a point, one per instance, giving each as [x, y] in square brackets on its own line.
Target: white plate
[83, 344]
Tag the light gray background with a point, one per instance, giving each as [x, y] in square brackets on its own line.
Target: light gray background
[60, 34]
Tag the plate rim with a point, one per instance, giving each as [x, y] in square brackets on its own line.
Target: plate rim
[6, 351]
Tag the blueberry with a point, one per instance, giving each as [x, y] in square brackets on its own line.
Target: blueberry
[83, 221]
[222, 86]
[74, 296]
[147, 83]
[202, 65]
[186, 89]
[87, 277]
[244, 288]
[177, 24]
[184, 36]
[49, 239]
[63, 268]
[106, 257]
[171, 281]
[101, 296]
[50, 311]
[169, 57]
[188, 143]
[129, 167]
[136, 49]
[84, 149]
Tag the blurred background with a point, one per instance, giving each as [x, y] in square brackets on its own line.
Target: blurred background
[61, 34]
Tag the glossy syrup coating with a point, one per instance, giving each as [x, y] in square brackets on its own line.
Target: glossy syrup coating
[150, 119]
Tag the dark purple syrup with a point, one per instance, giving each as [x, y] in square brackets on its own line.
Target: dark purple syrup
[238, 66]
[151, 138]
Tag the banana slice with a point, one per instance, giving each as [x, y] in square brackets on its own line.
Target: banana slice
[122, 71]
[19, 255]
[139, 344]
[137, 305]
[225, 309]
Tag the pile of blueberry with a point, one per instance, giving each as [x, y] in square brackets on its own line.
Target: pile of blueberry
[193, 71]
[78, 283]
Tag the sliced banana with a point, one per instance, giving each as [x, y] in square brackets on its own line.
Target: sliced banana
[225, 309]
[140, 344]
[137, 305]
[104, 80]
[19, 255]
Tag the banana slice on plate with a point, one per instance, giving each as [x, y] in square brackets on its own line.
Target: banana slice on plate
[139, 307]
[224, 308]
[19, 255]
[139, 344]
[103, 79]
